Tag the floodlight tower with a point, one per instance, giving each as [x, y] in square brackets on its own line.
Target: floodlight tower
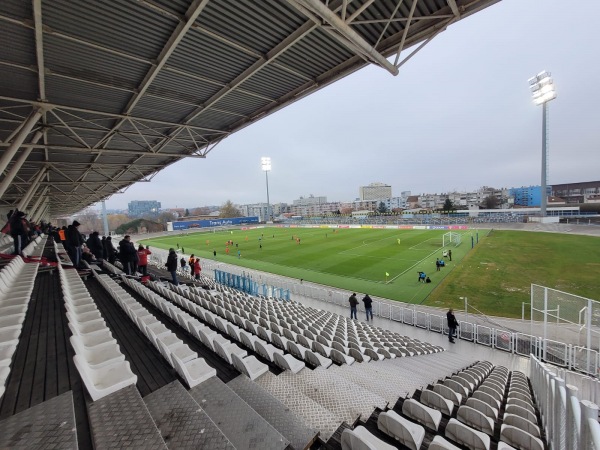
[542, 89]
[265, 163]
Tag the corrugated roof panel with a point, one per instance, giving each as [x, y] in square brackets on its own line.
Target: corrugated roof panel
[85, 95]
[272, 81]
[118, 24]
[17, 9]
[176, 85]
[18, 44]
[315, 54]
[63, 55]
[152, 107]
[215, 119]
[175, 6]
[205, 56]
[240, 103]
[18, 83]
[258, 28]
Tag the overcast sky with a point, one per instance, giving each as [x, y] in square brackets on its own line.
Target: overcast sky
[458, 116]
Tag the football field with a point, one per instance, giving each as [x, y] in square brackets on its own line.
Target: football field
[380, 262]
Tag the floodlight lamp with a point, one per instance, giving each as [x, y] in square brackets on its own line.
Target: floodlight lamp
[265, 163]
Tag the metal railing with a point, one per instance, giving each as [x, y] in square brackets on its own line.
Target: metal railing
[569, 423]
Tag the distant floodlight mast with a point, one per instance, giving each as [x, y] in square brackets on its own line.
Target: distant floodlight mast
[542, 89]
[265, 163]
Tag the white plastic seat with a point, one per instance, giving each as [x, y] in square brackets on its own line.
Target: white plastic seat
[519, 438]
[523, 424]
[105, 380]
[475, 419]
[358, 356]
[361, 439]
[467, 436]
[99, 356]
[278, 341]
[321, 349]
[437, 401]
[456, 387]
[225, 349]
[6, 353]
[482, 407]
[439, 443]
[521, 412]
[249, 366]
[426, 416]
[523, 404]
[179, 349]
[296, 350]
[288, 362]
[316, 360]
[408, 433]
[448, 393]
[248, 339]
[487, 398]
[194, 371]
[341, 358]
[265, 350]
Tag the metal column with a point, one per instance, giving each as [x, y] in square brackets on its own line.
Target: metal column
[14, 170]
[12, 149]
[544, 196]
[36, 206]
[31, 191]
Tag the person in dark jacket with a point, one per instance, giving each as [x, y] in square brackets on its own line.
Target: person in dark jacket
[452, 324]
[95, 245]
[353, 304]
[111, 253]
[368, 306]
[73, 243]
[19, 231]
[127, 254]
[172, 265]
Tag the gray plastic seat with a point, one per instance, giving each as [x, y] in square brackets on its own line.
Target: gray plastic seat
[520, 439]
[482, 407]
[426, 416]
[448, 393]
[437, 401]
[439, 443]
[523, 424]
[467, 436]
[408, 433]
[475, 419]
[361, 439]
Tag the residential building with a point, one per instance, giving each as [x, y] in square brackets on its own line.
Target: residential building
[375, 191]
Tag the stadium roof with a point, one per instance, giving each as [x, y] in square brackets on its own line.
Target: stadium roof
[96, 96]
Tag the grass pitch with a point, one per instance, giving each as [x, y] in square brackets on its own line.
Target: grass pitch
[352, 259]
[495, 276]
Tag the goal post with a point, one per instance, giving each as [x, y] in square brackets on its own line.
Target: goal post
[451, 238]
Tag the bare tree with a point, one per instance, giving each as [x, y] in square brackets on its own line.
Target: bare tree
[228, 210]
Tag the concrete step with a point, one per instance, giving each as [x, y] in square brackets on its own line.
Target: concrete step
[121, 420]
[51, 423]
[242, 425]
[284, 420]
[345, 399]
[182, 423]
[303, 406]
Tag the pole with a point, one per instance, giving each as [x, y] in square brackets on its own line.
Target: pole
[14, 170]
[544, 198]
[12, 149]
[268, 203]
[104, 218]
[545, 322]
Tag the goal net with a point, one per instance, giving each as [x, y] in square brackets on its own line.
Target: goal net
[451, 238]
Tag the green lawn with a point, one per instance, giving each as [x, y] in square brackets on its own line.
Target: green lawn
[495, 276]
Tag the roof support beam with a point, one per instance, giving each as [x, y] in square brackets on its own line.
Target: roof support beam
[40, 197]
[109, 150]
[14, 146]
[14, 170]
[319, 8]
[32, 188]
[454, 7]
[39, 48]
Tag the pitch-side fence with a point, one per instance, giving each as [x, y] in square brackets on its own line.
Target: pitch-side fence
[570, 423]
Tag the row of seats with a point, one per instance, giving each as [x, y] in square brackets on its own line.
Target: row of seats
[16, 284]
[193, 369]
[266, 342]
[7, 245]
[35, 248]
[280, 329]
[98, 357]
[248, 365]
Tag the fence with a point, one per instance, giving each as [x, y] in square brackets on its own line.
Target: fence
[570, 424]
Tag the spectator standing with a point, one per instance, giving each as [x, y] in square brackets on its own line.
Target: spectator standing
[143, 259]
[368, 306]
[127, 255]
[172, 265]
[19, 231]
[111, 253]
[197, 268]
[73, 243]
[95, 245]
[452, 324]
[353, 304]
[183, 264]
